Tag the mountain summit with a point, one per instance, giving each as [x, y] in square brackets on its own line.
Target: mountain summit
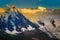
[13, 20]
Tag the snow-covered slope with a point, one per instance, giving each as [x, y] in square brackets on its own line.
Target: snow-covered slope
[14, 22]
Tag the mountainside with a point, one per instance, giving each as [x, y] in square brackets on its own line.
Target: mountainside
[14, 22]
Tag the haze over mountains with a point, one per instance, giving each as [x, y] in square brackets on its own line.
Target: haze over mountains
[30, 13]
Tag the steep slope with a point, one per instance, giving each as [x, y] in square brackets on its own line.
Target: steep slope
[14, 20]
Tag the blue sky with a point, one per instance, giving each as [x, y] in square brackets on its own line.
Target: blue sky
[31, 3]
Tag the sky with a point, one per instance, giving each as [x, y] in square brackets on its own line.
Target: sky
[31, 3]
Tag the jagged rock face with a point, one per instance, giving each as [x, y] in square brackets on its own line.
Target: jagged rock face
[15, 21]
[51, 26]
